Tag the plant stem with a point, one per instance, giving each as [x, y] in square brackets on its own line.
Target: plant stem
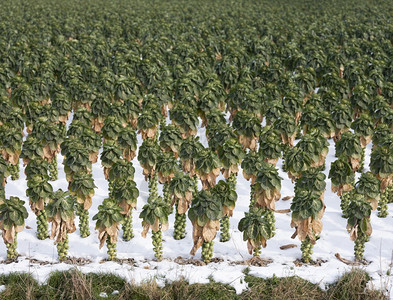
[225, 224]
[53, 172]
[112, 252]
[127, 228]
[306, 248]
[14, 170]
[153, 186]
[157, 243]
[271, 220]
[180, 226]
[83, 221]
[252, 197]
[361, 166]
[42, 225]
[12, 253]
[195, 179]
[360, 245]
[389, 192]
[110, 187]
[166, 193]
[62, 249]
[345, 199]
[207, 251]
[383, 204]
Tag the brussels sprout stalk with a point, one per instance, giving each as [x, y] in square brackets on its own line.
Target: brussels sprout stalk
[42, 225]
[207, 251]
[252, 196]
[195, 179]
[345, 199]
[62, 249]
[53, 172]
[157, 243]
[270, 218]
[83, 215]
[224, 227]
[112, 252]
[383, 204]
[14, 171]
[389, 193]
[306, 248]
[360, 245]
[12, 253]
[232, 180]
[166, 193]
[257, 251]
[153, 185]
[180, 225]
[128, 233]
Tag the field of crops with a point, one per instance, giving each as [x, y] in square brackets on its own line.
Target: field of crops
[237, 125]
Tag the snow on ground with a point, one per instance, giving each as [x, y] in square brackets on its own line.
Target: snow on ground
[334, 239]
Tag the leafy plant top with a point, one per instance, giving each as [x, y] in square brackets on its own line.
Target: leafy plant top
[60, 211]
[368, 185]
[154, 215]
[231, 155]
[12, 218]
[359, 212]
[256, 229]
[108, 220]
[313, 181]
[204, 214]
[223, 192]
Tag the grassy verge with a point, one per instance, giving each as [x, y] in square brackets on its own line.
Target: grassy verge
[76, 285]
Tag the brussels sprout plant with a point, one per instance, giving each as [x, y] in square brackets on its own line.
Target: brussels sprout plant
[61, 214]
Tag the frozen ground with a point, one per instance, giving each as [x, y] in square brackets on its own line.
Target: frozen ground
[334, 239]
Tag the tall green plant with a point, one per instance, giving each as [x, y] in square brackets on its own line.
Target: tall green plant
[154, 216]
[359, 226]
[61, 214]
[108, 220]
[82, 187]
[307, 211]
[39, 192]
[125, 193]
[12, 221]
[182, 190]
[205, 214]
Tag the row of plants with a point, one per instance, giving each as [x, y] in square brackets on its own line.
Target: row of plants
[265, 191]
